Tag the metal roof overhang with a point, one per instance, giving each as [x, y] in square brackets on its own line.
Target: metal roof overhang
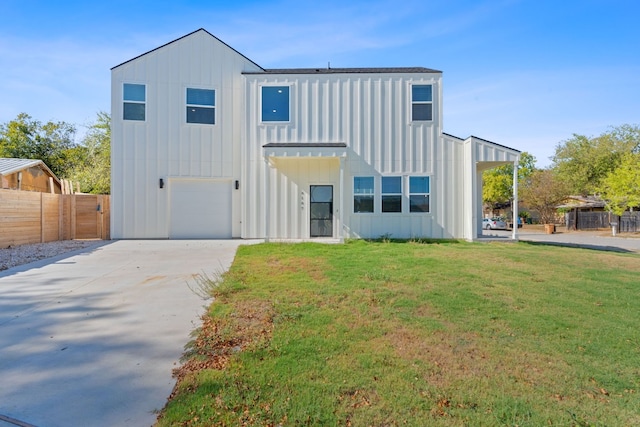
[300, 150]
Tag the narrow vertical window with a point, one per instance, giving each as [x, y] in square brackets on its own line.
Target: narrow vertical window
[362, 194]
[201, 105]
[134, 97]
[275, 103]
[421, 103]
[391, 194]
[419, 194]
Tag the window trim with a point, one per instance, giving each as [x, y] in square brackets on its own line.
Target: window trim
[428, 193]
[413, 102]
[132, 101]
[289, 104]
[383, 194]
[187, 105]
[372, 195]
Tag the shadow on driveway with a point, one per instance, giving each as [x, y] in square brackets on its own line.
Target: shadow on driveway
[92, 338]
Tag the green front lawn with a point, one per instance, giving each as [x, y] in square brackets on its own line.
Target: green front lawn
[418, 334]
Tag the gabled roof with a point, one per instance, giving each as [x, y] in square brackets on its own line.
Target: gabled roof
[582, 202]
[10, 165]
[376, 70]
[328, 70]
[180, 38]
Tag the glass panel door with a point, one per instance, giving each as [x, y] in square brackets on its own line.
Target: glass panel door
[321, 210]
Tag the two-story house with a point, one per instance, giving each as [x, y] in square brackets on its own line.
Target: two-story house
[208, 144]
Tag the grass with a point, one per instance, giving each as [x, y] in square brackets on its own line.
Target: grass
[416, 333]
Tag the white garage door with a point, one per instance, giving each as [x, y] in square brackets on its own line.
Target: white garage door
[199, 209]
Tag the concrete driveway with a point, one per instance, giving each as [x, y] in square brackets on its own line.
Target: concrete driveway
[91, 338]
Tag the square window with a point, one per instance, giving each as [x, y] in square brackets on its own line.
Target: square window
[363, 194]
[422, 102]
[201, 97]
[133, 111]
[134, 92]
[419, 184]
[422, 112]
[421, 93]
[201, 106]
[275, 103]
[391, 194]
[419, 203]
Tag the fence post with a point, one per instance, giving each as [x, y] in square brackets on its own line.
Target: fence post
[41, 219]
[72, 214]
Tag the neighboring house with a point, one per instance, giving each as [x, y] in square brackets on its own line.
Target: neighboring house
[28, 175]
[208, 144]
[583, 203]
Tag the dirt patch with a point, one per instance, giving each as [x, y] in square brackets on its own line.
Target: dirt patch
[250, 324]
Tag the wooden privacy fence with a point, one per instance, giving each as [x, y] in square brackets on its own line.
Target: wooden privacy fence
[31, 217]
[628, 222]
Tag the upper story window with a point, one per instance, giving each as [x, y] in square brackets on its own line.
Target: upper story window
[362, 194]
[421, 102]
[275, 103]
[134, 98]
[391, 194]
[201, 105]
[419, 194]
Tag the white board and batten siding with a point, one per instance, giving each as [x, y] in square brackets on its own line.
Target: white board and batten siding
[220, 181]
[165, 147]
[371, 114]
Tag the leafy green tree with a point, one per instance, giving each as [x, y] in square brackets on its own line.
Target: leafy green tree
[542, 192]
[582, 162]
[26, 138]
[497, 187]
[621, 187]
[93, 168]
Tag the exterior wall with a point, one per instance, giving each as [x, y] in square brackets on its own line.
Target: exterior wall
[370, 113]
[164, 145]
[342, 125]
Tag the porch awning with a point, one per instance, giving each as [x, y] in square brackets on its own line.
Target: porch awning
[299, 149]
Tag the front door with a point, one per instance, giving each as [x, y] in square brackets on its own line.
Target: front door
[321, 210]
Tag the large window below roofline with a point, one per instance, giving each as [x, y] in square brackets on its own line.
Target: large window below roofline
[275, 104]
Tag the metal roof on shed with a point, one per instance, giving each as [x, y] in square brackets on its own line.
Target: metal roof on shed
[11, 165]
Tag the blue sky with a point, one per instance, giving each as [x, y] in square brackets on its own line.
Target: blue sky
[523, 73]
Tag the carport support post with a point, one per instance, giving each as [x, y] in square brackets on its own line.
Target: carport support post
[514, 205]
[341, 202]
[267, 204]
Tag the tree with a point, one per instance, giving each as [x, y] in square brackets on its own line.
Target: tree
[93, 172]
[582, 162]
[497, 187]
[621, 187]
[543, 191]
[26, 138]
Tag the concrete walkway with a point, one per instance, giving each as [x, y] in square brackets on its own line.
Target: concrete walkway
[597, 240]
[91, 338]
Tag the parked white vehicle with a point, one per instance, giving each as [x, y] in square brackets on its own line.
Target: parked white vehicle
[493, 224]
